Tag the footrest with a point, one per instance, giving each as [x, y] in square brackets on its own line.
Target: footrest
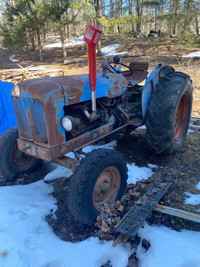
[135, 217]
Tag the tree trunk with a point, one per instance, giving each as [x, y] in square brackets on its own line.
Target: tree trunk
[39, 44]
[97, 11]
[44, 34]
[68, 31]
[195, 7]
[111, 9]
[138, 11]
[31, 34]
[62, 38]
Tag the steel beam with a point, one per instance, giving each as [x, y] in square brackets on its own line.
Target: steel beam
[178, 213]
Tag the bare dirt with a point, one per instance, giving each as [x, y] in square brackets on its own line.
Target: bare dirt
[183, 168]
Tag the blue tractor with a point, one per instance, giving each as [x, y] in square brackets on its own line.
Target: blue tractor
[59, 115]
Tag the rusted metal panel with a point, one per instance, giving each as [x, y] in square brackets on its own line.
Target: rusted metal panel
[75, 144]
[50, 95]
[51, 154]
[178, 213]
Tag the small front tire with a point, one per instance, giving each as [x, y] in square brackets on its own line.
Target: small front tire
[12, 160]
[100, 178]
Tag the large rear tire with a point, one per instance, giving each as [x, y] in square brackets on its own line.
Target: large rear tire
[168, 115]
[12, 160]
[100, 178]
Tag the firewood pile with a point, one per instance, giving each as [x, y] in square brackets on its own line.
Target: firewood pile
[16, 75]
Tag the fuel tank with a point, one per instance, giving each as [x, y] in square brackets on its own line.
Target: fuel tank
[38, 103]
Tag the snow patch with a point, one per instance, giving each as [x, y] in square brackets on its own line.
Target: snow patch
[110, 50]
[169, 247]
[28, 240]
[58, 172]
[14, 60]
[143, 127]
[136, 173]
[192, 55]
[192, 199]
[152, 166]
[110, 145]
[190, 131]
[71, 42]
[198, 186]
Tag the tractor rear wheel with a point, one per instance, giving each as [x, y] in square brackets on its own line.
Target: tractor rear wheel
[100, 178]
[168, 115]
[12, 160]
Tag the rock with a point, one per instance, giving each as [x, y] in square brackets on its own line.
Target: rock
[133, 261]
[145, 244]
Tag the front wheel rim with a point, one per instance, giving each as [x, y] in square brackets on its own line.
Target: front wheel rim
[106, 187]
[20, 160]
[181, 118]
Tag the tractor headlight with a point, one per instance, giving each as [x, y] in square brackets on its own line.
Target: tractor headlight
[16, 91]
[67, 124]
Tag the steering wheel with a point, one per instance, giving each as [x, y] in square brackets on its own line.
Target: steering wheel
[114, 69]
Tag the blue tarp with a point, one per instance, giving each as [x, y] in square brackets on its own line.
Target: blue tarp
[7, 115]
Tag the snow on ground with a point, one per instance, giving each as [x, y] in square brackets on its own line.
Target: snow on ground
[192, 199]
[192, 55]
[110, 50]
[169, 248]
[28, 240]
[14, 60]
[136, 173]
[72, 42]
[198, 186]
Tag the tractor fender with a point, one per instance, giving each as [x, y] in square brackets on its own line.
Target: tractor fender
[151, 84]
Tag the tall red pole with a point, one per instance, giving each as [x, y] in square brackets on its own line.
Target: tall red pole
[91, 37]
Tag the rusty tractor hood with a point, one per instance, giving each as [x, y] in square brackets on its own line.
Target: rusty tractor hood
[38, 104]
[73, 89]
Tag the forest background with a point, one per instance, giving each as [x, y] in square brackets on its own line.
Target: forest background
[27, 23]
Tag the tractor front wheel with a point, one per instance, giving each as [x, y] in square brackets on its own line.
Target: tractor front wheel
[12, 160]
[100, 178]
[168, 115]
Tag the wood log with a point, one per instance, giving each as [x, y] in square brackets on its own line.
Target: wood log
[71, 61]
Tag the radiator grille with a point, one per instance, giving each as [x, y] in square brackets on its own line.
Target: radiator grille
[22, 119]
[30, 119]
[37, 121]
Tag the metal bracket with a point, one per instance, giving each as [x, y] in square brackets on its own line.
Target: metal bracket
[67, 162]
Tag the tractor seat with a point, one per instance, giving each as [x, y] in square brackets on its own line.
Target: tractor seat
[139, 72]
